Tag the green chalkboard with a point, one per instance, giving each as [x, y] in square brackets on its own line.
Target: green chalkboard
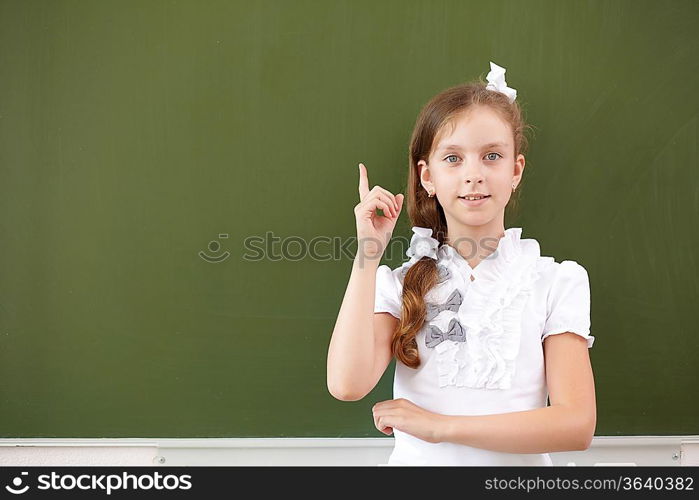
[167, 168]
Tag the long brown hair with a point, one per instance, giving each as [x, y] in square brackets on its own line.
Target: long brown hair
[435, 118]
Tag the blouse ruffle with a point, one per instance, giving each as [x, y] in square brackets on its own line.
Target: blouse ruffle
[491, 314]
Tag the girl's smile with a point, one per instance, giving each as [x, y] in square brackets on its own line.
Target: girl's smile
[474, 203]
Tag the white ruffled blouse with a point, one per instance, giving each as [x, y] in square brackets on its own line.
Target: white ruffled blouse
[481, 347]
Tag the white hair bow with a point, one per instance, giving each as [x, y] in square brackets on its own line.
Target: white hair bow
[422, 244]
[496, 77]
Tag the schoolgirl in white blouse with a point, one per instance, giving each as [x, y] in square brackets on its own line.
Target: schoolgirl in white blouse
[483, 327]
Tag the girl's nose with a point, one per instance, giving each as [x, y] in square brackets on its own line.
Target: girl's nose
[473, 174]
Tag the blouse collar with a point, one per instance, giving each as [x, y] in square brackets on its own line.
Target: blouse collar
[507, 249]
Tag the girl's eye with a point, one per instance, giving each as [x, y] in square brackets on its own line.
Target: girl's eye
[491, 159]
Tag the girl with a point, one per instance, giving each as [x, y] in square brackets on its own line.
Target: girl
[483, 327]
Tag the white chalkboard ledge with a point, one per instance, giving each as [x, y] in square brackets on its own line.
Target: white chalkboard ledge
[604, 451]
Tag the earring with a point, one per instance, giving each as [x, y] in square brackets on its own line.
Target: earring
[513, 188]
[430, 194]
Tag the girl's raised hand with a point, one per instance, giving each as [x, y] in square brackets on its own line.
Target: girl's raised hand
[374, 231]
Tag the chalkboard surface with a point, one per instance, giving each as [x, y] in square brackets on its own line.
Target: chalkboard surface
[177, 183]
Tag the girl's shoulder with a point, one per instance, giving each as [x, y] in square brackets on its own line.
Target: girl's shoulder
[555, 277]
[552, 273]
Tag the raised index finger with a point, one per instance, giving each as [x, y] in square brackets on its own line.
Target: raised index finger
[363, 182]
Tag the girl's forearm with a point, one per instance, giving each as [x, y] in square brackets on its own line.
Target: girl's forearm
[352, 347]
[542, 430]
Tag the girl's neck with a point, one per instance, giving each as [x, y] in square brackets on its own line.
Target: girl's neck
[475, 243]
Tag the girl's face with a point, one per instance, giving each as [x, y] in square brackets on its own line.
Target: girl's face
[477, 157]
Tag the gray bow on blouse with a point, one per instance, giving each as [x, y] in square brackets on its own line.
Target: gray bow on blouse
[452, 304]
[455, 332]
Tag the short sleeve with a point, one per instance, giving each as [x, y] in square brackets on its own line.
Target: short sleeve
[388, 292]
[568, 304]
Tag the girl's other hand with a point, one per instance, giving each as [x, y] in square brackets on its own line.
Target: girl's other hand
[374, 231]
[406, 416]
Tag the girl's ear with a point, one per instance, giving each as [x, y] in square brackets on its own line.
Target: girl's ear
[519, 167]
[424, 174]
[422, 166]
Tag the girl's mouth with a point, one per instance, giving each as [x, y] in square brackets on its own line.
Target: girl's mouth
[473, 203]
